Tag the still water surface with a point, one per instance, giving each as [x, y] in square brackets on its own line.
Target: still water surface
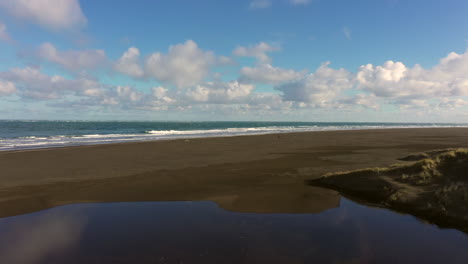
[202, 232]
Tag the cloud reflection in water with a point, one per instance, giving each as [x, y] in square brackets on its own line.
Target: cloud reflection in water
[34, 239]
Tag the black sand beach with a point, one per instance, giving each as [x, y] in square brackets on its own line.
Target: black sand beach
[264, 173]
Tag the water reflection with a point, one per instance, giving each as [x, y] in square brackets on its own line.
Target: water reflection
[33, 238]
[202, 232]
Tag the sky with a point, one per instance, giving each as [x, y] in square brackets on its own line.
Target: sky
[245, 60]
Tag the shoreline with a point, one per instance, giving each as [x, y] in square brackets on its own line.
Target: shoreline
[257, 173]
[208, 136]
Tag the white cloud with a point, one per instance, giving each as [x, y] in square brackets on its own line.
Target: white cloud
[364, 100]
[260, 4]
[268, 101]
[266, 73]
[4, 33]
[451, 104]
[258, 51]
[320, 88]
[32, 83]
[161, 95]
[130, 63]
[73, 60]
[411, 86]
[382, 80]
[51, 14]
[185, 64]
[347, 32]
[112, 96]
[128, 93]
[219, 92]
[160, 99]
[7, 88]
[185, 69]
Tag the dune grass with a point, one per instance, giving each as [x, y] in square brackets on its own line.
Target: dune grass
[432, 184]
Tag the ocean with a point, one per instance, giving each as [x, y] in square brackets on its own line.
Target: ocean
[17, 135]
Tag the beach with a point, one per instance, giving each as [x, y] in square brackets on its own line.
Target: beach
[260, 173]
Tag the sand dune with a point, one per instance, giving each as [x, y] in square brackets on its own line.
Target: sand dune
[434, 186]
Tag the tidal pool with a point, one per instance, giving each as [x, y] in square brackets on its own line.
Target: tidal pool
[202, 232]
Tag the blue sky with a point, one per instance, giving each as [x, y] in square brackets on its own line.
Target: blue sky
[316, 60]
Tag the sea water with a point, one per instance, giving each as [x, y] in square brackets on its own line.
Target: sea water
[44, 134]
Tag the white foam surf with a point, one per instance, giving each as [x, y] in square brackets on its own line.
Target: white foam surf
[33, 142]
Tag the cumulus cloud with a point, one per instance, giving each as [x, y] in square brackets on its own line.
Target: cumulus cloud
[258, 51]
[268, 102]
[185, 68]
[124, 97]
[233, 97]
[442, 86]
[51, 14]
[319, 88]
[118, 96]
[128, 93]
[161, 95]
[32, 83]
[266, 73]
[410, 86]
[184, 65]
[7, 88]
[73, 60]
[451, 104]
[227, 95]
[365, 100]
[219, 92]
[130, 64]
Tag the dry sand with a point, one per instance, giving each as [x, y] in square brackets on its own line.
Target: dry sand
[264, 173]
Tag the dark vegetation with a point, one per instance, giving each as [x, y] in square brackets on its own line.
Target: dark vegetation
[431, 185]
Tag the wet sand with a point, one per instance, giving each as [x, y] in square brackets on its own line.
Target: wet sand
[264, 173]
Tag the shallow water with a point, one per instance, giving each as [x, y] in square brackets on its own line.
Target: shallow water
[202, 232]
